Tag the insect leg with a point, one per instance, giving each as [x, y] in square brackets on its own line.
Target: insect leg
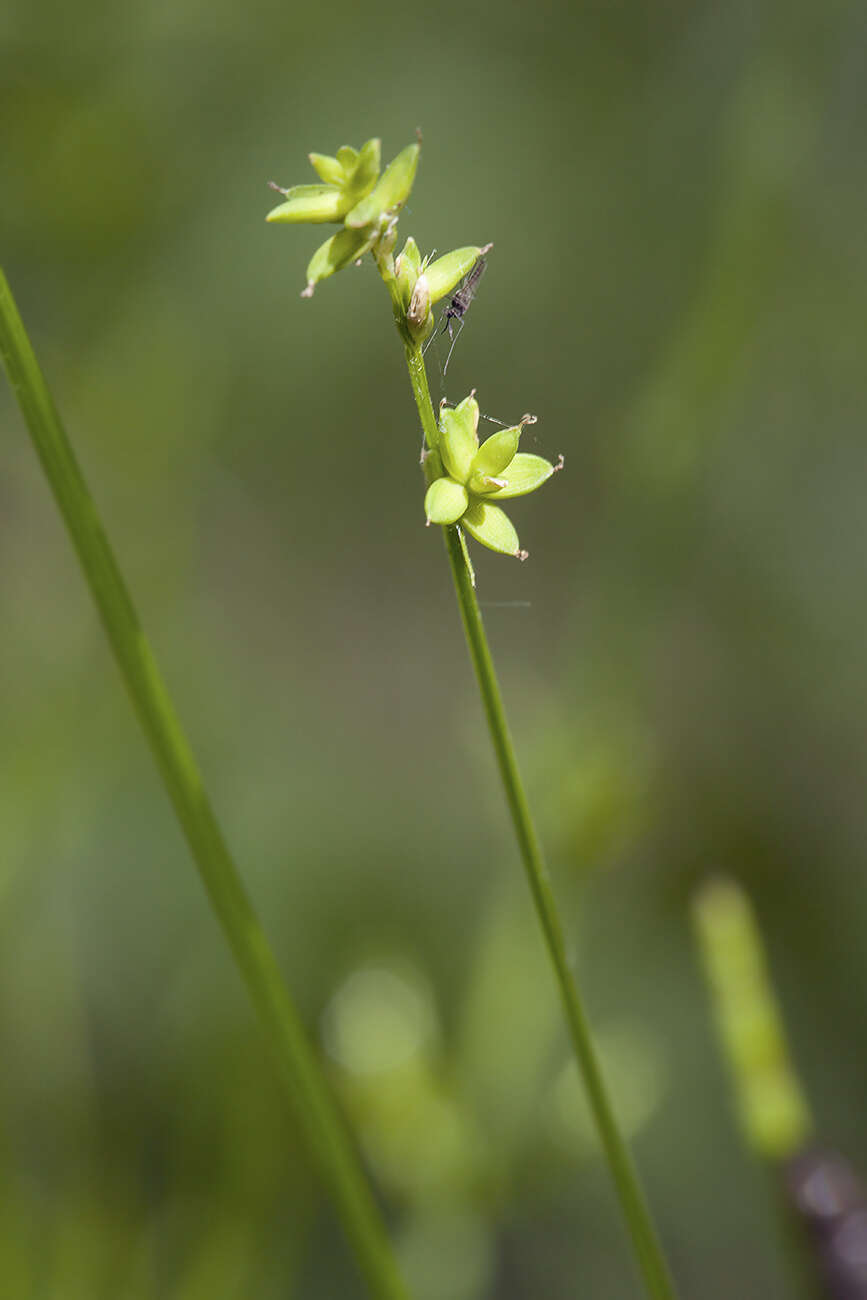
[452, 348]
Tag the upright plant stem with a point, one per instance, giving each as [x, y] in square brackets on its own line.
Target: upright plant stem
[642, 1232]
[299, 1070]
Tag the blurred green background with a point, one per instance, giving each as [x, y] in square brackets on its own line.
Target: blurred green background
[677, 195]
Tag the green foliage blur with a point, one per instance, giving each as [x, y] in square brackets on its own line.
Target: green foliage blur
[677, 198]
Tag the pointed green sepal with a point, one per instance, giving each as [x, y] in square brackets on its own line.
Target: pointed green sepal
[328, 169]
[492, 527]
[459, 443]
[492, 459]
[338, 251]
[390, 192]
[312, 203]
[445, 501]
[524, 474]
[447, 272]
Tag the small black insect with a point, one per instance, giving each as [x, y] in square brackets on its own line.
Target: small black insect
[460, 303]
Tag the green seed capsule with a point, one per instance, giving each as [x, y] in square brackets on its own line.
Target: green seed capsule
[445, 501]
[362, 180]
[448, 271]
[327, 169]
[348, 158]
[458, 444]
[390, 192]
[315, 203]
[491, 460]
[493, 528]
[338, 251]
[524, 474]
[469, 409]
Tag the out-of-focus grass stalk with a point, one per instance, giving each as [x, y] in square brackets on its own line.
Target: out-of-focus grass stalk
[772, 1111]
[321, 1121]
[771, 1106]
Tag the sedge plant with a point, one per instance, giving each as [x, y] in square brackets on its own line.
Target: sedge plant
[465, 482]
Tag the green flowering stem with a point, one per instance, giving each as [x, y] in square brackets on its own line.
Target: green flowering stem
[465, 481]
[421, 392]
[642, 1232]
[320, 1120]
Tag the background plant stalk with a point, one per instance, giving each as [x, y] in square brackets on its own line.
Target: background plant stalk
[319, 1118]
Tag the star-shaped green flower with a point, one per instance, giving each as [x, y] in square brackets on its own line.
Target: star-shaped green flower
[468, 478]
[353, 193]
